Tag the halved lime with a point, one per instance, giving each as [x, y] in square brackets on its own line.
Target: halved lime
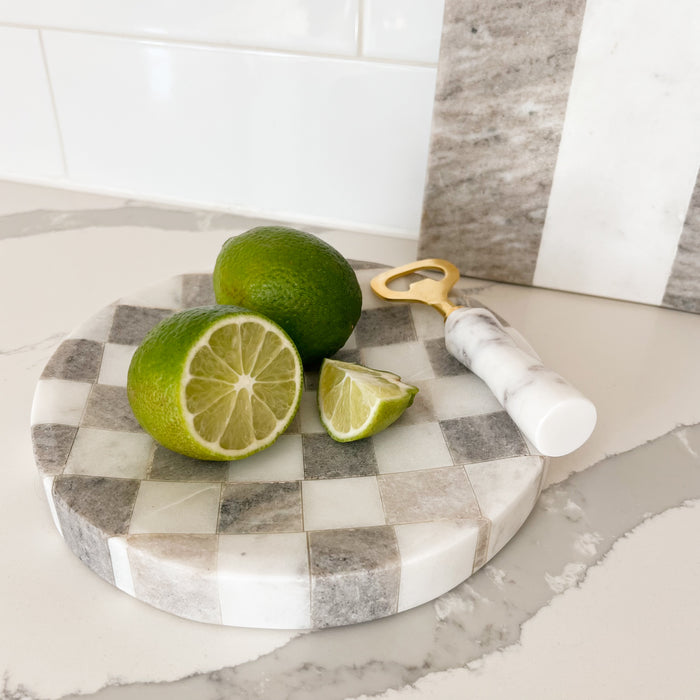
[215, 382]
[355, 401]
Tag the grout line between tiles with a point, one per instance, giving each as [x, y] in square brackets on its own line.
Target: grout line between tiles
[54, 108]
[360, 27]
[212, 44]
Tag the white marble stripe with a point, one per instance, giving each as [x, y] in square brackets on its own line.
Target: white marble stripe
[629, 152]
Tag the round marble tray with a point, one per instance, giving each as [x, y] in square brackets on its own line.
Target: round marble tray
[308, 533]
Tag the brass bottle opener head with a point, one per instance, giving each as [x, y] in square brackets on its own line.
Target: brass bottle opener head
[426, 291]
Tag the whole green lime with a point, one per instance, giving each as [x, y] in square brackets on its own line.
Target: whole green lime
[296, 279]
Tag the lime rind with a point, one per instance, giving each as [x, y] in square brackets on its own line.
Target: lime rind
[356, 402]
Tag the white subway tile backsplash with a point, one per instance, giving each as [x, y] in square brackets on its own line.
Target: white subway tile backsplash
[406, 30]
[29, 142]
[298, 137]
[321, 26]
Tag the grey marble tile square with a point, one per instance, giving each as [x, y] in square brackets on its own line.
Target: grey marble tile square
[52, 444]
[86, 540]
[483, 437]
[171, 466]
[354, 575]
[108, 407]
[443, 364]
[104, 502]
[261, 507]
[348, 355]
[176, 573]
[131, 323]
[385, 326]
[197, 290]
[294, 428]
[311, 379]
[432, 494]
[75, 359]
[324, 458]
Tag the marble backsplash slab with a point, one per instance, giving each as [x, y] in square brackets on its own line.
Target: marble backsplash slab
[564, 148]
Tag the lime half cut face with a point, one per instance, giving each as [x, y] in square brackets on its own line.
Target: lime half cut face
[215, 382]
[356, 401]
[240, 387]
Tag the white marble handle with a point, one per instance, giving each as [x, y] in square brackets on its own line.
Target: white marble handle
[552, 414]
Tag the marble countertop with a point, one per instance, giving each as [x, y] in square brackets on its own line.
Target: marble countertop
[596, 596]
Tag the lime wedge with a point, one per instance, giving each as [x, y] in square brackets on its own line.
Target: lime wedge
[355, 401]
[215, 382]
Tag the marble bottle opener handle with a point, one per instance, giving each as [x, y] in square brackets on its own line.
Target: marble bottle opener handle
[552, 414]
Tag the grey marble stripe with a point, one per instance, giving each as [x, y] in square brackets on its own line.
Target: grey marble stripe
[503, 80]
[683, 286]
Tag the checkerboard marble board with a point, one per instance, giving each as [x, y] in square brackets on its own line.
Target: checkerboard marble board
[309, 533]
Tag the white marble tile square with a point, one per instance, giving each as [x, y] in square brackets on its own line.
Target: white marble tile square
[172, 507]
[450, 547]
[47, 483]
[427, 321]
[121, 568]
[462, 395]
[411, 447]
[59, 401]
[166, 294]
[115, 364]
[506, 491]
[339, 139]
[264, 580]
[110, 453]
[97, 327]
[407, 30]
[421, 410]
[282, 461]
[339, 503]
[327, 26]
[409, 360]
[369, 299]
[29, 141]
[307, 415]
[351, 342]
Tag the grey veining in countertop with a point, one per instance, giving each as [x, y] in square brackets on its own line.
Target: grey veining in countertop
[572, 528]
[571, 531]
[31, 223]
